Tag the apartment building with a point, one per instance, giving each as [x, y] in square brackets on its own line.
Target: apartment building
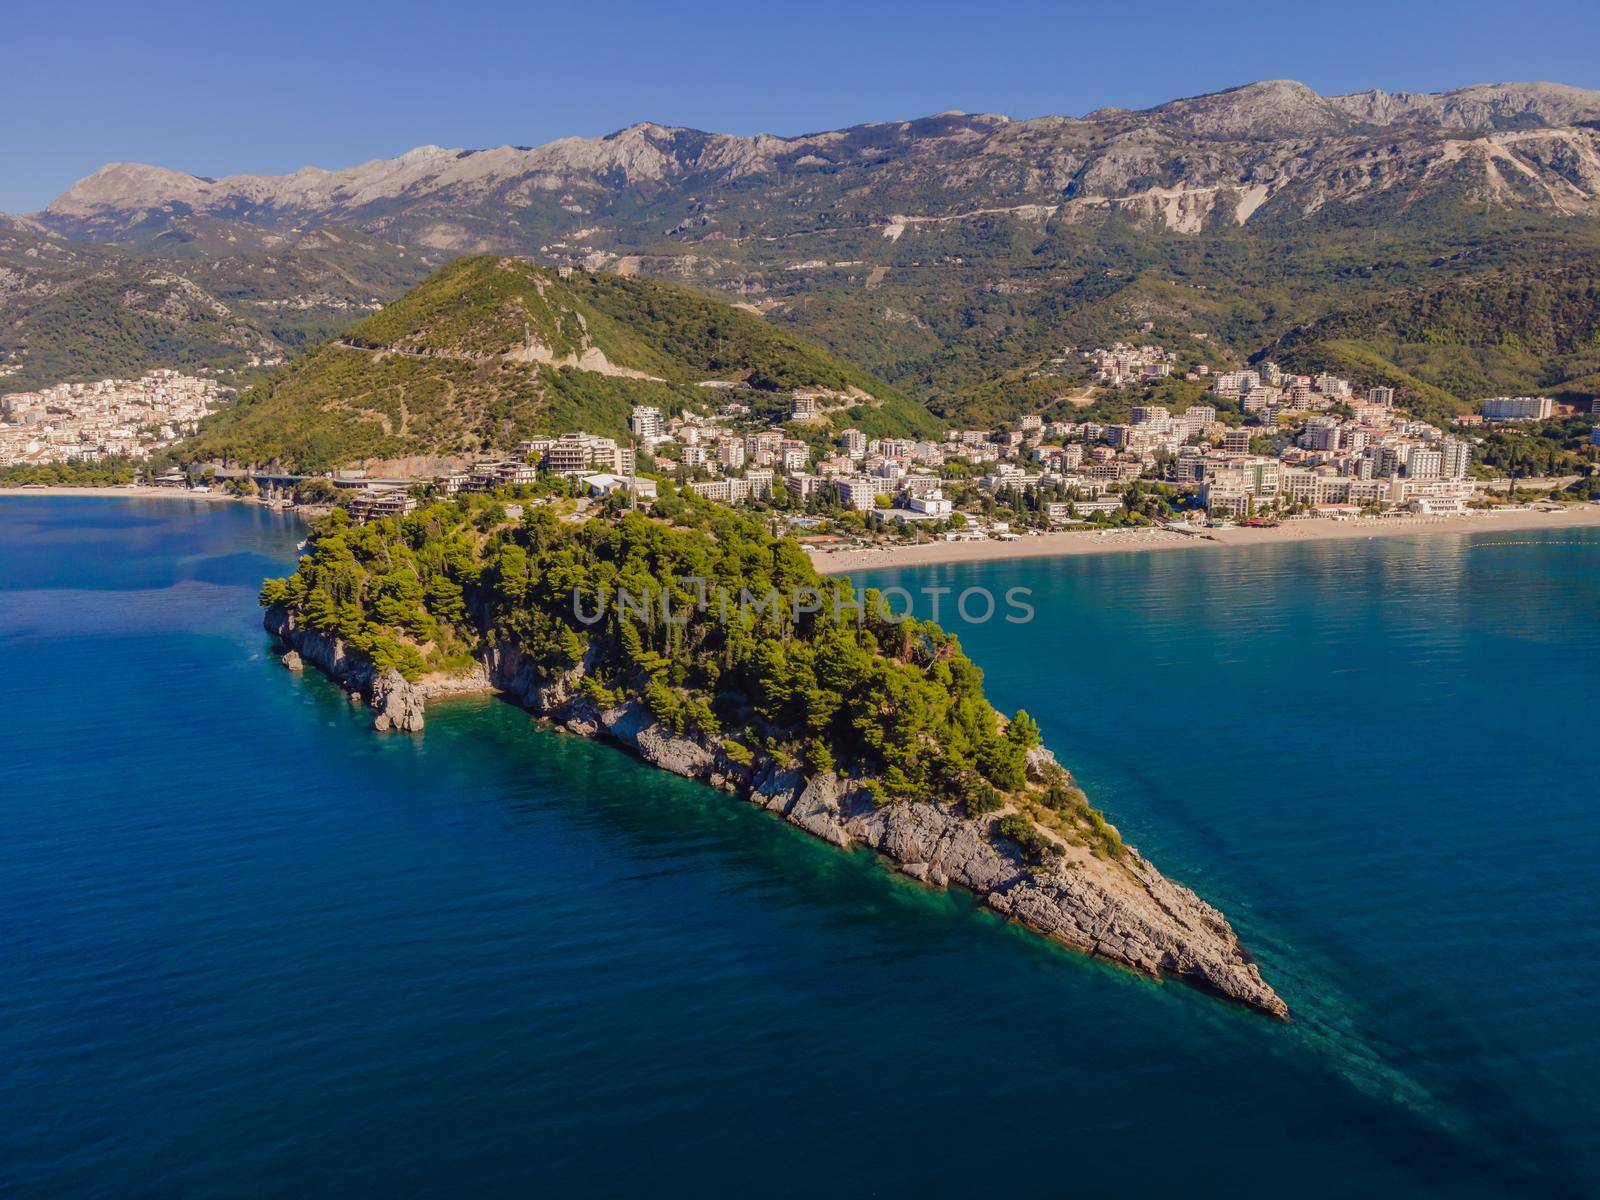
[1518, 408]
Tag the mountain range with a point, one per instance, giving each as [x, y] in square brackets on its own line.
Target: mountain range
[1264, 152]
[950, 255]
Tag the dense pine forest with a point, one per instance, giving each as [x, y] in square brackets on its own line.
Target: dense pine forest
[727, 634]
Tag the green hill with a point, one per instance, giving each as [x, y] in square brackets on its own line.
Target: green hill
[488, 351]
[1450, 345]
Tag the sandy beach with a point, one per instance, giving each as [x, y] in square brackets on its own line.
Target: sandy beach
[1126, 541]
[136, 491]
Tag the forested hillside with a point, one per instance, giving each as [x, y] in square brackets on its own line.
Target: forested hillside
[490, 351]
[1510, 332]
[74, 311]
[895, 701]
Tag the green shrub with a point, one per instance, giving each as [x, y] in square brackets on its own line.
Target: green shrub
[1035, 846]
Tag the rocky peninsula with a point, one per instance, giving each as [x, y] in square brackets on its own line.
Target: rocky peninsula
[1118, 907]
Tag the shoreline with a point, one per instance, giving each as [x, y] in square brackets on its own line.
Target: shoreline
[121, 491]
[1125, 912]
[1062, 544]
[1130, 541]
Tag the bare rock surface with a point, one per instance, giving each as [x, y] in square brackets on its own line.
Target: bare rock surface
[396, 703]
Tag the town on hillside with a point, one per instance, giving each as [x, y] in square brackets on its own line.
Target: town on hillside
[1262, 445]
[1257, 445]
[111, 418]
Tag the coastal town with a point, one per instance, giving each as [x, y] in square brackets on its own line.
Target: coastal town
[107, 419]
[1256, 445]
[1262, 446]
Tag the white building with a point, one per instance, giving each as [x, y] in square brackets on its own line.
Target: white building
[1423, 462]
[578, 453]
[1518, 408]
[859, 492]
[604, 484]
[1235, 383]
[646, 423]
[1196, 419]
[933, 506]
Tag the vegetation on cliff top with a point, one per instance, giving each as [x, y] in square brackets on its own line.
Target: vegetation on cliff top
[825, 678]
[488, 351]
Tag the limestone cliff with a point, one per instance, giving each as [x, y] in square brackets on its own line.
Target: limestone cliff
[396, 703]
[1126, 912]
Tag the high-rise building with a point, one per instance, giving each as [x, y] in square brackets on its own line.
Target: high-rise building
[646, 423]
[1457, 457]
[1322, 433]
[1385, 461]
[859, 492]
[1332, 385]
[1197, 418]
[1423, 462]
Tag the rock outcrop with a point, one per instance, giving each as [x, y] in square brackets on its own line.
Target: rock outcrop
[1124, 911]
[396, 703]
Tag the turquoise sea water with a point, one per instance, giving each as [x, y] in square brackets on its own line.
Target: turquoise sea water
[252, 948]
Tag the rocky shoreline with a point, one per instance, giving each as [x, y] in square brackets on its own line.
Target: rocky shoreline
[1127, 913]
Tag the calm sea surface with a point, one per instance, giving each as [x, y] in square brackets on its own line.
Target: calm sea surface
[248, 947]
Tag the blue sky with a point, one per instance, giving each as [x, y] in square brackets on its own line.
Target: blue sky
[220, 88]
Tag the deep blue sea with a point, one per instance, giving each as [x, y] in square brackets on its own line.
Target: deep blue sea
[249, 947]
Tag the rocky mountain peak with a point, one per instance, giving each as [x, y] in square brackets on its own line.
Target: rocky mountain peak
[127, 185]
[1271, 108]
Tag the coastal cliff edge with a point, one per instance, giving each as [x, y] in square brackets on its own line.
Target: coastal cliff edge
[1126, 912]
